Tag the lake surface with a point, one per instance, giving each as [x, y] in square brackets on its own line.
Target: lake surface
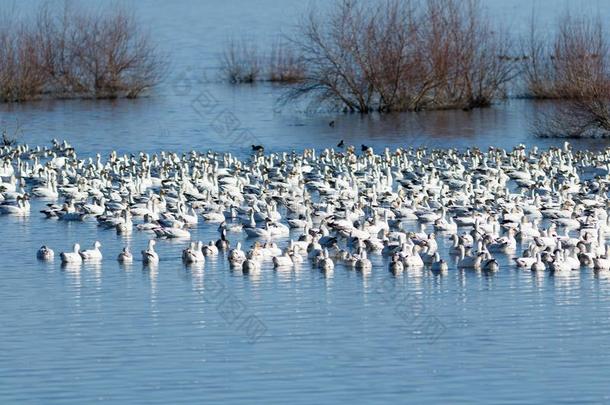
[176, 334]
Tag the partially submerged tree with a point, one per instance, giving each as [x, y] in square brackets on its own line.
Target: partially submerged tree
[402, 55]
[573, 68]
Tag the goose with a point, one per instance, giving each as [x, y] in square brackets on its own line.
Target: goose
[96, 208]
[148, 225]
[251, 266]
[438, 264]
[457, 244]
[505, 244]
[92, 254]
[48, 192]
[488, 263]
[601, 263]
[528, 258]
[413, 260]
[538, 265]
[263, 233]
[284, 260]
[210, 249]
[559, 265]
[363, 263]
[326, 264]
[426, 256]
[73, 257]
[256, 252]
[193, 253]
[149, 256]
[444, 224]
[467, 261]
[126, 226]
[21, 207]
[222, 243]
[189, 217]
[396, 265]
[214, 217]
[236, 256]
[125, 256]
[45, 253]
[172, 233]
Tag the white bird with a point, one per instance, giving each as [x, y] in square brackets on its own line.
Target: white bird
[149, 256]
[92, 254]
[210, 249]
[236, 256]
[438, 264]
[72, 257]
[396, 265]
[284, 260]
[193, 253]
[45, 253]
[125, 256]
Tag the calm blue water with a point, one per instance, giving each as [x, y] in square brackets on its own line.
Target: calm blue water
[173, 334]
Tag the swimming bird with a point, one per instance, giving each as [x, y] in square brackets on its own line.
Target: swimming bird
[92, 254]
[45, 253]
[149, 256]
[210, 249]
[438, 264]
[125, 256]
[236, 256]
[73, 257]
[396, 265]
[193, 253]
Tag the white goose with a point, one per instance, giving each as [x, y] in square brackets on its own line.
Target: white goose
[236, 256]
[193, 253]
[73, 257]
[92, 254]
[45, 253]
[149, 256]
[125, 256]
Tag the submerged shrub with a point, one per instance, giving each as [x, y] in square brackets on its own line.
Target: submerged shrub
[73, 53]
[240, 62]
[285, 65]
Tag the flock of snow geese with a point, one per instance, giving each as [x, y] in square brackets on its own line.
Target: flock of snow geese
[342, 206]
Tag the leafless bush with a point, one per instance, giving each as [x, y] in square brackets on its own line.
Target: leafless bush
[402, 55]
[72, 53]
[285, 65]
[572, 67]
[20, 75]
[573, 61]
[240, 62]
